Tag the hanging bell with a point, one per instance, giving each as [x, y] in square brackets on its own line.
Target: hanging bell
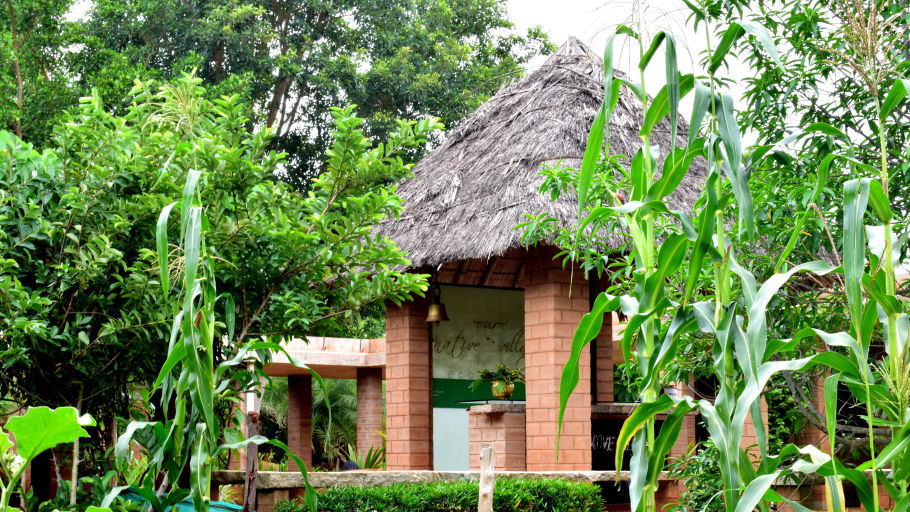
[437, 313]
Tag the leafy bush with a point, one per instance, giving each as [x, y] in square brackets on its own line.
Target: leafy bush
[698, 469]
[509, 495]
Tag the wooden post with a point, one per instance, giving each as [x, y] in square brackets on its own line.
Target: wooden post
[487, 480]
[252, 463]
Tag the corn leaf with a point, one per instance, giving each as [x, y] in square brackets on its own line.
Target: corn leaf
[856, 196]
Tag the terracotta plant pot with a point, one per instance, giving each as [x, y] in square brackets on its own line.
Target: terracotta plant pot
[503, 390]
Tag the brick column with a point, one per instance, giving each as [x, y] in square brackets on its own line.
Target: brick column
[501, 426]
[602, 351]
[369, 409]
[604, 364]
[409, 387]
[817, 437]
[551, 317]
[300, 418]
[687, 432]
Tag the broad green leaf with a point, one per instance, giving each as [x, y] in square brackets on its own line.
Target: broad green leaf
[755, 491]
[635, 87]
[896, 94]
[189, 192]
[827, 129]
[683, 322]
[229, 315]
[733, 33]
[738, 176]
[767, 292]
[655, 44]
[821, 179]
[638, 175]
[660, 106]
[198, 462]
[111, 496]
[856, 196]
[821, 464]
[676, 165]
[669, 433]
[175, 357]
[122, 450]
[729, 131]
[42, 428]
[879, 202]
[764, 37]
[670, 257]
[637, 419]
[161, 245]
[596, 135]
[723, 436]
[588, 329]
[673, 91]
[830, 389]
[705, 236]
[699, 109]
[5, 443]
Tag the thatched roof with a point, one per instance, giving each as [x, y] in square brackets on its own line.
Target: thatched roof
[468, 194]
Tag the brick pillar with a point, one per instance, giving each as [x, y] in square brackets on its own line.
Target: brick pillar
[813, 435]
[603, 352]
[604, 363]
[687, 432]
[300, 418]
[369, 409]
[409, 387]
[501, 426]
[551, 317]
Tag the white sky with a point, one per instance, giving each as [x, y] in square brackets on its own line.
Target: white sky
[592, 20]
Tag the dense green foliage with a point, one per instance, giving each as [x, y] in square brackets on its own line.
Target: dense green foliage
[508, 496]
[82, 313]
[698, 470]
[733, 309]
[292, 61]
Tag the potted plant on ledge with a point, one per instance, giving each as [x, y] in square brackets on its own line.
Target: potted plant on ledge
[502, 380]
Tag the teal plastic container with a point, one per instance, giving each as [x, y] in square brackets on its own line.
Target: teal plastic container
[187, 504]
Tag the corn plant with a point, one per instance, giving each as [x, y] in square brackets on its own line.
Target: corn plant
[190, 438]
[735, 314]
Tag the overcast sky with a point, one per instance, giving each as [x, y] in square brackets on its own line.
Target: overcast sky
[592, 20]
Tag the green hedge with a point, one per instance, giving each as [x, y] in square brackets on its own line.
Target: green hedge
[509, 495]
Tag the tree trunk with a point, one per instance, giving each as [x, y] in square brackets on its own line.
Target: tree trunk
[281, 88]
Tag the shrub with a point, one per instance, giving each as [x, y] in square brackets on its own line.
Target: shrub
[526, 495]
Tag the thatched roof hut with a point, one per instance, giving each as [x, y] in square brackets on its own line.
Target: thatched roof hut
[468, 194]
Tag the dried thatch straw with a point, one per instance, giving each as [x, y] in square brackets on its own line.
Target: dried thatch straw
[467, 195]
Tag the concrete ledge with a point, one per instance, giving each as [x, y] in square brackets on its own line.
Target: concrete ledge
[496, 408]
[623, 409]
[271, 480]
